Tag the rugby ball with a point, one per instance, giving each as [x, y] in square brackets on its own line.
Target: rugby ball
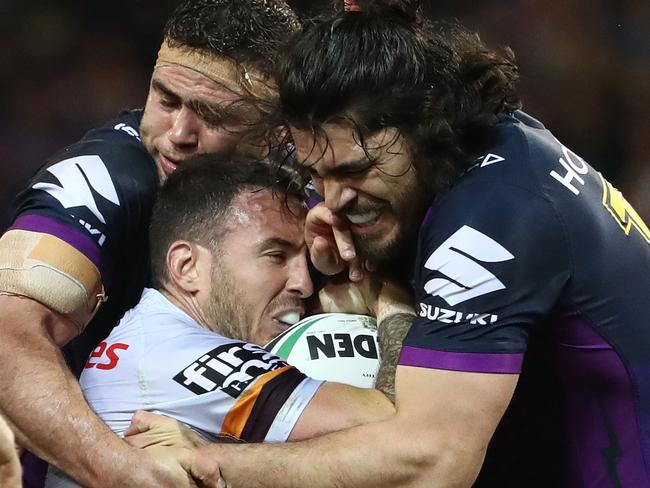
[333, 347]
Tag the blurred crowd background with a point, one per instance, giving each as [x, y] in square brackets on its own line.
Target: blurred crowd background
[585, 66]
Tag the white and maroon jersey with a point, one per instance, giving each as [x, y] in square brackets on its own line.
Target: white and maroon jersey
[159, 359]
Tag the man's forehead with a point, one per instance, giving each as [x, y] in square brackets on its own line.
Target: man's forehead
[191, 85]
[240, 78]
[338, 144]
[268, 212]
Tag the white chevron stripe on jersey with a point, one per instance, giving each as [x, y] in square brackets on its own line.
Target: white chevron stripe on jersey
[76, 177]
[456, 259]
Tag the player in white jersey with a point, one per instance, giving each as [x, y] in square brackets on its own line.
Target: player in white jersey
[230, 270]
[177, 367]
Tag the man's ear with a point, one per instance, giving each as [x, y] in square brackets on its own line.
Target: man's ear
[187, 262]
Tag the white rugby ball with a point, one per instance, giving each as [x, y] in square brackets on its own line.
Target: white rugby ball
[332, 346]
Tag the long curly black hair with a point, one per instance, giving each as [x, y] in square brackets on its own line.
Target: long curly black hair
[386, 66]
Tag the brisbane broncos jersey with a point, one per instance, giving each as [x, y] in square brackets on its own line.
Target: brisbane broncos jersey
[161, 360]
[96, 195]
[531, 238]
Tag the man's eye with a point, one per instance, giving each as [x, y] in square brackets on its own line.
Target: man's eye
[276, 257]
[355, 172]
[168, 102]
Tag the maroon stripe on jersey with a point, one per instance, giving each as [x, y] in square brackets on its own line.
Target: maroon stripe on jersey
[80, 241]
[269, 402]
[461, 361]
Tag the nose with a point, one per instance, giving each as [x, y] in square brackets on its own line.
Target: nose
[299, 280]
[337, 194]
[184, 132]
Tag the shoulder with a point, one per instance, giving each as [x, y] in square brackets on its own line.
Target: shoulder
[103, 183]
[503, 185]
[113, 150]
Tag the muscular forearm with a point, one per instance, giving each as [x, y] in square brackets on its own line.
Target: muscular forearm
[391, 332]
[9, 465]
[43, 402]
[371, 455]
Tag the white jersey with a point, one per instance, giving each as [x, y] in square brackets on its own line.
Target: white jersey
[159, 359]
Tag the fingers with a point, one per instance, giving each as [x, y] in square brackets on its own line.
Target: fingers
[343, 239]
[204, 469]
[347, 252]
[141, 441]
[140, 422]
[325, 257]
[330, 242]
[343, 297]
[355, 270]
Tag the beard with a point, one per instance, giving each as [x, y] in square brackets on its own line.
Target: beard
[396, 250]
[226, 309]
[233, 316]
[410, 203]
[394, 257]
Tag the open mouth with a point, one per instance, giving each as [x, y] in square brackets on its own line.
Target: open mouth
[169, 165]
[364, 219]
[367, 221]
[288, 318]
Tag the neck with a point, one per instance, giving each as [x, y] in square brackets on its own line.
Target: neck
[189, 304]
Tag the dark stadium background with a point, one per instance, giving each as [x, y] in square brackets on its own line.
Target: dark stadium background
[70, 64]
[585, 64]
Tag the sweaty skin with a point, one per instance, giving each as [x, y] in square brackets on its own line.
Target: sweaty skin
[9, 464]
[59, 426]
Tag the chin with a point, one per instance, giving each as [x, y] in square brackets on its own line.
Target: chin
[377, 249]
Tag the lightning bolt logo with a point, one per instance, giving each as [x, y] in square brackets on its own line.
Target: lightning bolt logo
[612, 453]
[625, 216]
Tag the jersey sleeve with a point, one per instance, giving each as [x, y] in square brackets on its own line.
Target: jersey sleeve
[492, 262]
[235, 389]
[94, 196]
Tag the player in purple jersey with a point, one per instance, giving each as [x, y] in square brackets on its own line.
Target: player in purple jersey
[78, 237]
[414, 137]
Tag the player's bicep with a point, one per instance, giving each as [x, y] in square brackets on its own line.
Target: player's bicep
[453, 415]
[51, 271]
[336, 406]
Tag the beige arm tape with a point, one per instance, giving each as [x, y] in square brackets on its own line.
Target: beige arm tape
[52, 272]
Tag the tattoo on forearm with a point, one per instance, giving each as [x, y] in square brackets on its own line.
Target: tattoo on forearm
[390, 333]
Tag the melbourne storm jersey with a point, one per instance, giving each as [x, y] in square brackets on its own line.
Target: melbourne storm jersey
[97, 195]
[159, 359]
[531, 238]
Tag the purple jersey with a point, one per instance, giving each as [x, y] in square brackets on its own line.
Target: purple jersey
[532, 238]
[97, 195]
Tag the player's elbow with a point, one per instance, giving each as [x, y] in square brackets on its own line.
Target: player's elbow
[433, 461]
[25, 322]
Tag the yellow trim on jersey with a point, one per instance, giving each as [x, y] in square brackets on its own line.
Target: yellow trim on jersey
[49, 270]
[624, 214]
[238, 415]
